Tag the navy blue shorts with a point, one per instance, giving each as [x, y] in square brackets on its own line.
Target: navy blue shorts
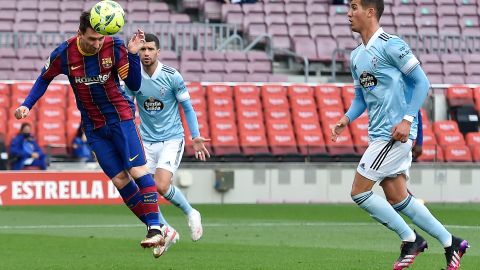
[117, 146]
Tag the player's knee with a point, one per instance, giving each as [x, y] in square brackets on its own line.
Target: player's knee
[162, 186]
[120, 180]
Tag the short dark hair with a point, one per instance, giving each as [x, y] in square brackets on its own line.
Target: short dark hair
[84, 22]
[25, 124]
[377, 4]
[149, 37]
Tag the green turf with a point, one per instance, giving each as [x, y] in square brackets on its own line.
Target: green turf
[236, 237]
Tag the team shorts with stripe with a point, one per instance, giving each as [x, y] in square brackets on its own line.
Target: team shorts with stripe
[384, 159]
[164, 155]
[117, 147]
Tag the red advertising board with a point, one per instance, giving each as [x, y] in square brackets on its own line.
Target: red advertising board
[57, 188]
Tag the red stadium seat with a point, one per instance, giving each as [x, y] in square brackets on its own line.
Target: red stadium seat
[328, 90]
[476, 153]
[299, 90]
[457, 153]
[50, 126]
[4, 89]
[55, 99]
[195, 89]
[348, 91]
[198, 103]
[304, 114]
[273, 89]
[250, 114]
[476, 93]
[329, 114]
[248, 102]
[51, 113]
[450, 138]
[4, 117]
[220, 114]
[306, 102]
[446, 125]
[71, 129]
[251, 126]
[332, 100]
[347, 101]
[431, 153]
[282, 142]
[51, 138]
[240, 91]
[4, 101]
[360, 141]
[219, 91]
[17, 99]
[344, 144]
[225, 143]
[429, 138]
[254, 143]
[21, 88]
[275, 102]
[459, 95]
[359, 126]
[220, 102]
[311, 143]
[473, 138]
[277, 114]
[73, 114]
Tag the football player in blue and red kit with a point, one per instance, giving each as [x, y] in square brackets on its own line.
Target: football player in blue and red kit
[94, 65]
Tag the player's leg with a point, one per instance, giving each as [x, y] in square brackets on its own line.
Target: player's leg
[169, 159]
[112, 165]
[398, 195]
[126, 139]
[151, 153]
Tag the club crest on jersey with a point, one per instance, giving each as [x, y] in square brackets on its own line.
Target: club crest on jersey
[368, 81]
[107, 62]
[163, 91]
[152, 104]
[374, 63]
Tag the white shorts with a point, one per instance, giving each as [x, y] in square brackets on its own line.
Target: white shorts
[164, 155]
[382, 160]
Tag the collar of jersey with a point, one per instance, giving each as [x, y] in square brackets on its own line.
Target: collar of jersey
[373, 38]
[155, 74]
[81, 51]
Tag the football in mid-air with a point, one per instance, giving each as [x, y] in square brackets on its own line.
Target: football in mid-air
[107, 17]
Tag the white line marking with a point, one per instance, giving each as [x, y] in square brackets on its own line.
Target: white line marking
[257, 224]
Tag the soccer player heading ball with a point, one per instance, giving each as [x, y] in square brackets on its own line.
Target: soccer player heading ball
[392, 86]
[94, 64]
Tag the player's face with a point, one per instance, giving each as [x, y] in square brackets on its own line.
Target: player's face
[91, 41]
[357, 15]
[149, 53]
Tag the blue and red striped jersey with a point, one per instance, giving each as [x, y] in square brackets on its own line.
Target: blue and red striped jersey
[94, 80]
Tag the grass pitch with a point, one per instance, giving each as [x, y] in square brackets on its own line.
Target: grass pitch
[235, 237]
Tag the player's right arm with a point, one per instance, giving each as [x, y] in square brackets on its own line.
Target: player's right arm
[356, 109]
[52, 68]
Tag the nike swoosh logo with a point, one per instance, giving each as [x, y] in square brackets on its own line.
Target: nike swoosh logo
[133, 158]
[73, 68]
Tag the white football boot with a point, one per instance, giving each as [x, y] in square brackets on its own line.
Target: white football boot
[195, 224]
[171, 237]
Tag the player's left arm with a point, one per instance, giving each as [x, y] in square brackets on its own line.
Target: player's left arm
[183, 97]
[128, 64]
[401, 56]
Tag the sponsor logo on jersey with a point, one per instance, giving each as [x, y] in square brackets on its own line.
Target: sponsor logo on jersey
[93, 80]
[153, 104]
[368, 81]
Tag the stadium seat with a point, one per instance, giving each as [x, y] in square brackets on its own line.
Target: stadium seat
[4, 116]
[304, 114]
[219, 114]
[459, 95]
[248, 102]
[273, 89]
[325, 89]
[429, 138]
[457, 153]
[359, 126]
[445, 126]
[331, 114]
[4, 101]
[431, 153]
[343, 147]
[275, 114]
[446, 138]
[473, 138]
[51, 113]
[476, 153]
[195, 89]
[220, 102]
[332, 100]
[302, 102]
[225, 144]
[250, 114]
[254, 144]
[282, 143]
[219, 91]
[275, 102]
[241, 91]
[299, 90]
[360, 142]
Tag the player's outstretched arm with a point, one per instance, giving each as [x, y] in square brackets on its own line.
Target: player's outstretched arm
[201, 151]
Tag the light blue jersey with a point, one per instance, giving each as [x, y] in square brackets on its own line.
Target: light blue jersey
[379, 69]
[158, 99]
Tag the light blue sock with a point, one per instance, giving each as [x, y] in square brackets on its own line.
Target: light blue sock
[175, 196]
[383, 212]
[162, 218]
[421, 217]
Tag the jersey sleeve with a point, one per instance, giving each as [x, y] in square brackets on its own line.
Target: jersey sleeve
[400, 55]
[121, 58]
[127, 65]
[356, 81]
[181, 91]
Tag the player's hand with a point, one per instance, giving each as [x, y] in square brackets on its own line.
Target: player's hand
[136, 42]
[35, 155]
[21, 112]
[417, 151]
[201, 151]
[401, 131]
[339, 127]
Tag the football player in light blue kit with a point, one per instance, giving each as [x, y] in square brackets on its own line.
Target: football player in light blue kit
[392, 86]
[162, 133]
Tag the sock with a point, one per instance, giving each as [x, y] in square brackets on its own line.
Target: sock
[175, 196]
[383, 212]
[133, 199]
[421, 217]
[149, 196]
[162, 218]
